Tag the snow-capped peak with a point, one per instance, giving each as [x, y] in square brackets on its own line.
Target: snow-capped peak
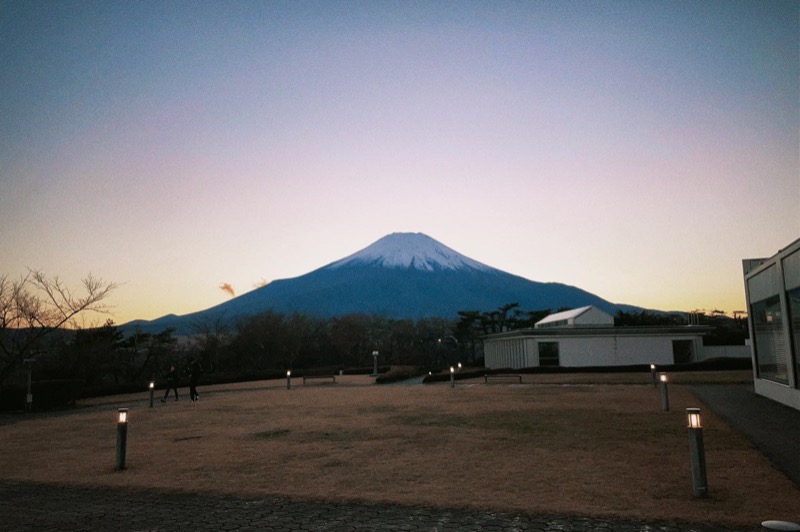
[411, 250]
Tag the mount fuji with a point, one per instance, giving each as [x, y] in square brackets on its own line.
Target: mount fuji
[402, 275]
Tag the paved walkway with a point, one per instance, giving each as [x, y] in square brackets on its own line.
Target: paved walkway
[44, 508]
[772, 427]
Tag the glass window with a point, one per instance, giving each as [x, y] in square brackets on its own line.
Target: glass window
[772, 355]
[793, 296]
[548, 354]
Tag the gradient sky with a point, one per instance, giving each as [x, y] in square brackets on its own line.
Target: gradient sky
[637, 150]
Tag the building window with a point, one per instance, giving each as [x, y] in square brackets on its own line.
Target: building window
[548, 354]
[793, 296]
[772, 354]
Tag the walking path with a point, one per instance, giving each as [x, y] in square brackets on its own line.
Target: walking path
[773, 428]
[44, 508]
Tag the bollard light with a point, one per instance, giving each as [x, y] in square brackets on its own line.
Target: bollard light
[452, 377]
[29, 397]
[375, 367]
[122, 437]
[693, 418]
[662, 377]
[653, 374]
[459, 366]
[152, 390]
[697, 453]
[289, 379]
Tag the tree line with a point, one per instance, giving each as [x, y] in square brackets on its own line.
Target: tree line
[42, 320]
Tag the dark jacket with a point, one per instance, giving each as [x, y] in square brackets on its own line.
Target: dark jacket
[194, 370]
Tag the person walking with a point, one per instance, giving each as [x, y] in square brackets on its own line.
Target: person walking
[194, 369]
[172, 383]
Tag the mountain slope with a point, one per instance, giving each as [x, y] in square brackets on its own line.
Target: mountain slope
[402, 275]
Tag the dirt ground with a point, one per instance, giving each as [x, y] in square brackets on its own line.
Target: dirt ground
[580, 448]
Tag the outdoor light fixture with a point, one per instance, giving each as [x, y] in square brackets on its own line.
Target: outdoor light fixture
[375, 359]
[122, 437]
[452, 377]
[697, 453]
[29, 397]
[662, 377]
[693, 418]
[459, 366]
[653, 374]
[152, 389]
[288, 379]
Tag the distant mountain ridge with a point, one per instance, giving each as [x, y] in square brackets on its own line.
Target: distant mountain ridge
[402, 275]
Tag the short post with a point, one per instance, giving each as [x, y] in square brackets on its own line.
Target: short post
[122, 437]
[698, 454]
[152, 389]
[375, 367]
[29, 396]
[288, 379]
[653, 375]
[664, 392]
[452, 377]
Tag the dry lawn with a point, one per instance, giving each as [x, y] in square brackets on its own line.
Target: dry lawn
[594, 450]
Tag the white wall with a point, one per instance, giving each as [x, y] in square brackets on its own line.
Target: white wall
[577, 351]
[614, 350]
[594, 316]
[725, 351]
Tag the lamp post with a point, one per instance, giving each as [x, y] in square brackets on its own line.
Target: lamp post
[662, 377]
[122, 437]
[452, 377]
[288, 379]
[29, 397]
[653, 374]
[697, 452]
[152, 389]
[375, 366]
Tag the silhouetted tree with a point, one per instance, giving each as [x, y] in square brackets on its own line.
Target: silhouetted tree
[34, 307]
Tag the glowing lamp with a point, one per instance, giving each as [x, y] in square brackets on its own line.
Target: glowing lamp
[122, 437]
[693, 418]
[662, 377]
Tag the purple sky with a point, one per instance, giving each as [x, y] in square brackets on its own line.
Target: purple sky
[637, 150]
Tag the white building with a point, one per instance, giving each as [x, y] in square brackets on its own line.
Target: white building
[587, 337]
[772, 289]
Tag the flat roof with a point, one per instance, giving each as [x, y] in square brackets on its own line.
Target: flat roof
[680, 330]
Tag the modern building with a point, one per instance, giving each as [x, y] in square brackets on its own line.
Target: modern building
[587, 337]
[772, 290]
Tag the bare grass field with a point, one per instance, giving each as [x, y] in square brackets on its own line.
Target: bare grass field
[600, 450]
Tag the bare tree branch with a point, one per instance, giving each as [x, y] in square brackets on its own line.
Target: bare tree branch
[35, 306]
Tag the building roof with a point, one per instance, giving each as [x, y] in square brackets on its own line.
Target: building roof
[565, 315]
[642, 330]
